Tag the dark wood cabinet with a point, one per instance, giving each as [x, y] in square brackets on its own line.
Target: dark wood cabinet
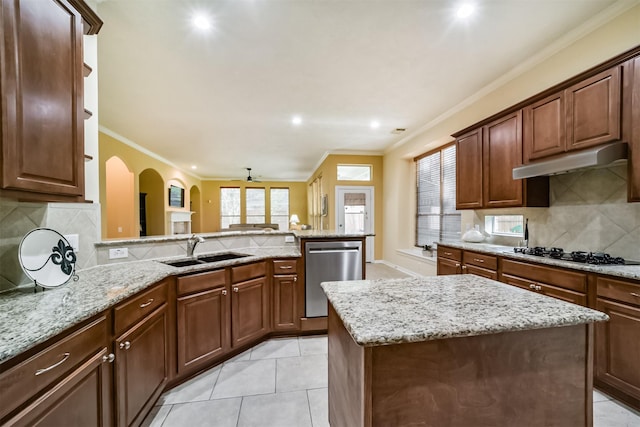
[617, 356]
[456, 261]
[249, 311]
[469, 170]
[447, 266]
[631, 105]
[141, 366]
[544, 132]
[285, 307]
[41, 82]
[593, 110]
[203, 327]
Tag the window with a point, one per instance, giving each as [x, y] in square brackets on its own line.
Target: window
[280, 207]
[354, 172]
[229, 207]
[256, 207]
[504, 225]
[437, 217]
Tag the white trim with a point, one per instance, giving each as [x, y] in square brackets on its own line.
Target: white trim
[143, 150]
[372, 192]
[344, 153]
[397, 267]
[417, 255]
[572, 36]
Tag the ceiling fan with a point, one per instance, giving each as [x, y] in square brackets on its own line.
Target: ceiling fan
[249, 178]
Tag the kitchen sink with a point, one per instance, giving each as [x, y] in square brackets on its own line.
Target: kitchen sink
[204, 259]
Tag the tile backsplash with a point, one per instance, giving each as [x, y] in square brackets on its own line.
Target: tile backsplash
[18, 218]
[588, 211]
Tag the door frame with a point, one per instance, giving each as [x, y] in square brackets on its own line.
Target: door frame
[370, 190]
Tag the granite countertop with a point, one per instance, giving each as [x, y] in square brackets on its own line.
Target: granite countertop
[382, 312]
[626, 271]
[27, 318]
[325, 234]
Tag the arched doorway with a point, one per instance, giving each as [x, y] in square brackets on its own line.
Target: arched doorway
[119, 200]
[195, 206]
[152, 216]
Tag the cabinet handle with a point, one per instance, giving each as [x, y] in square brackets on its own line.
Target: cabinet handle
[448, 253]
[457, 265]
[235, 290]
[224, 292]
[285, 267]
[532, 286]
[478, 260]
[125, 345]
[146, 304]
[55, 365]
[538, 288]
[109, 358]
[633, 294]
[464, 267]
[295, 279]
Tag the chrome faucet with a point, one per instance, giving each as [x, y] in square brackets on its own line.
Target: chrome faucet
[192, 242]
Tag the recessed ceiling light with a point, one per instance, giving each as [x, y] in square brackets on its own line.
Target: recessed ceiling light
[201, 22]
[296, 120]
[465, 10]
[194, 167]
[375, 124]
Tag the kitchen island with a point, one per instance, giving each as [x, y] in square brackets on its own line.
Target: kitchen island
[456, 351]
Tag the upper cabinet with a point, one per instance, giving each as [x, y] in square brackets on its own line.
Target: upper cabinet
[631, 109]
[41, 82]
[544, 127]
[469, 170]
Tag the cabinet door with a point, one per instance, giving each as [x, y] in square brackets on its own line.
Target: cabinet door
[544, 127]
[618, 348]
[563, 294]
[83, 398]
[202, 328]
[634, 132]
[501, 152]
[141, 367]
[285, 303]
[469, 170]
[593, 110]
[249, 311]
[448, 266]
[479, 271]
[41, 80]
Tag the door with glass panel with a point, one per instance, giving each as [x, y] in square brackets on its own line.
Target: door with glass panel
[354, 213]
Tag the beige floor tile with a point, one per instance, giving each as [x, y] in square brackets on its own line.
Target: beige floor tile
[196, 389]
[610, 413]
[301, 373]
[272, 349]
[246, 378]
[319, 407]
[218, 413]
[275, 410]
[313, 345]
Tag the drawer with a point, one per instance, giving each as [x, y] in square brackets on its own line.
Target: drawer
[482, 272]
[449, 253]
[285, 266]
[549, 290]
[25, 380]
[619, 290]
[128, 313]
[481, 260]
[200, 282]
[546, 275]
[248, 272]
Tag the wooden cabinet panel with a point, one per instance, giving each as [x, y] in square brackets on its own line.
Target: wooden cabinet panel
[285, 266]
[563, 294]
[593, 110]
[447, 266]
[481, 260]
[203, 328]
[618, 350]
[129, 312]
[200, 282]
[41, 80]
[501, 152]
[285, 303]
[141, 367]
[548, 275]
[249, 311]
[247, 272]
[469, 170]
[633, 111]
[23, 381]
[544, 127]
[449, 253]
[624, 291]
[479, 271]
[81, 399]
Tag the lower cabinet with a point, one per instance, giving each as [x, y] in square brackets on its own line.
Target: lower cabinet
[141, 366]
[249, 311]
[286, 316]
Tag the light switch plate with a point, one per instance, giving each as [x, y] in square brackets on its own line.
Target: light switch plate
[118, 253]
[289, 239]
[74, 241]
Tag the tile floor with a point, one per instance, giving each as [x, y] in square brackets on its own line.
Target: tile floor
[283, 383]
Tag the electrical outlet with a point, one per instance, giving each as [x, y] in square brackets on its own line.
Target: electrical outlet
[289, 239]
[118, 253]
[74, 241]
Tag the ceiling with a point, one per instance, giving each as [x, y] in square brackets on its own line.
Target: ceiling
[223, 100]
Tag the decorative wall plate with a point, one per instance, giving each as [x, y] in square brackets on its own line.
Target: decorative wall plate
[47, 258]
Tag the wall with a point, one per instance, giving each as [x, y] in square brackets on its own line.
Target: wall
[328, 171]
[210, 197]
[610, 39]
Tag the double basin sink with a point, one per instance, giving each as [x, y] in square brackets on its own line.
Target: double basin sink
[204, 259]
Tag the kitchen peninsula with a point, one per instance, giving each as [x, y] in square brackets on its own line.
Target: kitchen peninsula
[456, 351]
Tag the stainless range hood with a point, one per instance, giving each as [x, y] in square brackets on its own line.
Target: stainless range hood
[597, 156]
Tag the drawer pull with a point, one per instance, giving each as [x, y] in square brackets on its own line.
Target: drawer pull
[457, 265]
[146, 304]
[109, 358]
[224, 292]
[125, 345]
[538, 288]
[448, 253]
[532, 286]
[633, 294]
[295, 279]
[235, 290]
[478, 260]
[285, 267]
[55, 365]
[464, 267]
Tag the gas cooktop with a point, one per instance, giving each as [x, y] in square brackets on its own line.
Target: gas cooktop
[598, 258]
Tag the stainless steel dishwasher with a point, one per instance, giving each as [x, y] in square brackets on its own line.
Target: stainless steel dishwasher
[327, 262]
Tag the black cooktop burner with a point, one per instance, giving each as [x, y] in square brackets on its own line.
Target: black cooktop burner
[584, 257]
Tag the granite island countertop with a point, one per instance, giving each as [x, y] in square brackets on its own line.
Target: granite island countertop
[28, 319]
[382, 312]
[626, 271]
